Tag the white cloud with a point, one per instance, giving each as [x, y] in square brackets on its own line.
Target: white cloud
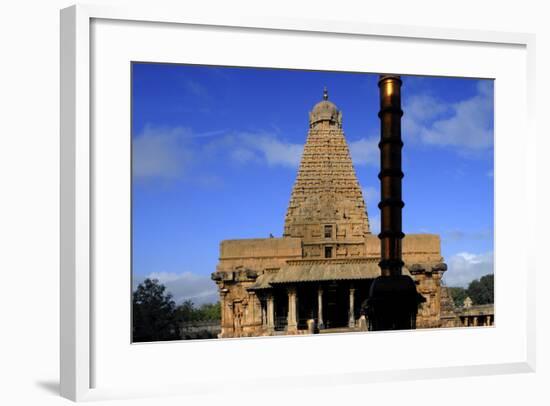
[464, 267]
[186, 286]
[364, 151]
[275, 151]
[466, 124]
[161, 152]
[173, 152]
[260, 148]
[243, 155]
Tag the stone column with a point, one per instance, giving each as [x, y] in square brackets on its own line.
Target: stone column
[351, 322]
[475, 320]
[264, 313]
[465, 321]
[251, 309]
[292, 325]
[223, 311]
[489, 320]
[320, 322]
[270, 314]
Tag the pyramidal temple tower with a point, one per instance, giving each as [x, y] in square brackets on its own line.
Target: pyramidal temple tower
[327, 209]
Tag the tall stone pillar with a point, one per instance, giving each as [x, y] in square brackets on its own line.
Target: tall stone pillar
[390, 175]
[351, 322]
[320, 323]
[489, 320]
[475, 320]
[270, 314]
[292, 323]
[393, 298]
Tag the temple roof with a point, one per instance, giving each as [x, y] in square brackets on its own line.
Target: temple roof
[316, 271]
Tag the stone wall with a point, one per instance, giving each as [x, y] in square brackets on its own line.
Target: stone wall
[417, 248]
[258, 253]
[240, 262]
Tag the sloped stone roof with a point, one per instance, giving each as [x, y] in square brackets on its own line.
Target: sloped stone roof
[316, 271]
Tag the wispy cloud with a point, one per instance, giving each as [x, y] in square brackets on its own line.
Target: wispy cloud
[364, 151]
[161, 152]
[464, 267]
[177, 152]
[467, 124]
[260, 148]
[185, 286]
[271, 150]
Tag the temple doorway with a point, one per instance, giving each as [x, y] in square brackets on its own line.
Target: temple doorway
[336, 305]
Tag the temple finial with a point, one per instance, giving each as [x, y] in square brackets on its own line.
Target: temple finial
[325, 93]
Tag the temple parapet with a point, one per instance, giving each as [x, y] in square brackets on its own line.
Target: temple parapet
[258, 253]
[416, 248]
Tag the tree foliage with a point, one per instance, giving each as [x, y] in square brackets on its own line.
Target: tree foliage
[154, 313]
[187, 312]
[156, 316]
[480, 291]
[458, 294]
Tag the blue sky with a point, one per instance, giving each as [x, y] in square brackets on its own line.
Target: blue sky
[216, 150]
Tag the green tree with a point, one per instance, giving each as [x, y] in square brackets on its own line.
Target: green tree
[154, 313]
[186, 312]
[210, 311]
[482, 291]
[458, 294]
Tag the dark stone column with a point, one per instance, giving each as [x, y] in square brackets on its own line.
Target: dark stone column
[393, 299]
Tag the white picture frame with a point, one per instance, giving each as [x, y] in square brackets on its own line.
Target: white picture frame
[78, 351]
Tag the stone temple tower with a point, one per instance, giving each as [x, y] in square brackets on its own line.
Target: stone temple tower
[327, 210]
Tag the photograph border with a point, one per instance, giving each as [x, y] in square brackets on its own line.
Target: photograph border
[76, 280]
